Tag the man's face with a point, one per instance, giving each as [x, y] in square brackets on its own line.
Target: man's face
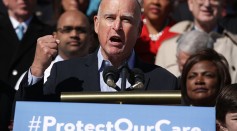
[157, 9]
[206, 11]
[118, 27]
[73, 33]
[20, 8]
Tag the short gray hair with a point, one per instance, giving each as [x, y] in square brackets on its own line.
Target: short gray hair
[139, 2]
[193, 41]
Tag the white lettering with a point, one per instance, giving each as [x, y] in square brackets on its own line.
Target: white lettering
[175, 128]
[123, 120]
[48, 121]
[122, 124]
[89, 127]
[69, 127]
[109, 126]
[196, 129]
[186, 128]
[100, 127]
[79, 126]
[59, 125]
[150, 128]
[161, 122]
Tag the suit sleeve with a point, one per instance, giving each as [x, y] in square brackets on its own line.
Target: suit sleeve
[30, 93]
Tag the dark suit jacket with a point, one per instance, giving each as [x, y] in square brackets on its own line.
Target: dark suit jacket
[6, 98]
[2, 8]
[16, 56]
[81, 74]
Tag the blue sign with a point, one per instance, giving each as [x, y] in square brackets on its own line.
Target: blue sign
[53, 116]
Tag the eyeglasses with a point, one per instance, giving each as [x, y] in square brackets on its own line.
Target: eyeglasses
[214, 2]
[68, 29]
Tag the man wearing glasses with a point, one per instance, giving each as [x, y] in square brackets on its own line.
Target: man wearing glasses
[207, 14]
[73, 39]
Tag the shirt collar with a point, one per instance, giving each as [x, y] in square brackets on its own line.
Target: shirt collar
[131, 60]
[214, 30]
[15, 23]
[58, 58]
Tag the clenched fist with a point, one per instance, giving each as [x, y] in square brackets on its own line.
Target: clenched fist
[46, 50]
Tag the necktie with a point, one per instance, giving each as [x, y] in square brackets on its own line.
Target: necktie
[107, 63]
[20, 31]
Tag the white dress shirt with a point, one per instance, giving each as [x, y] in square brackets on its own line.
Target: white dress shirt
[33, 79]
[15, 24]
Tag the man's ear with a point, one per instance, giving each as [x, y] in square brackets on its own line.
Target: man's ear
[96, 24]
[190, 5]
[220, 126]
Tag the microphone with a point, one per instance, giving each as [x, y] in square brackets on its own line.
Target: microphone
[137, 78]
[124, 72]
[111, 76]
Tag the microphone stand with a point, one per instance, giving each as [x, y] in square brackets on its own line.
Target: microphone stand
[124, 72]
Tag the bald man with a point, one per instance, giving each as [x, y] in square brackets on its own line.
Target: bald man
[73, 38]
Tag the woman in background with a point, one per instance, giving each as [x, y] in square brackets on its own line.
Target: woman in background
[203, 75]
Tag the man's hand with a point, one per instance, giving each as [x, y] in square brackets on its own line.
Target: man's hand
[46, 50]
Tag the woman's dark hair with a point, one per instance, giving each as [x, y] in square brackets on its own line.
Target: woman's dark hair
[205, 55]
[226, 102]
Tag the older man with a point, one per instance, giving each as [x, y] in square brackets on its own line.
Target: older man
[206, 14]
[118, 26]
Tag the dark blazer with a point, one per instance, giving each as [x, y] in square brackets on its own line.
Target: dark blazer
[3, 9]
[81, 74]
[17, 56]
[6, 99]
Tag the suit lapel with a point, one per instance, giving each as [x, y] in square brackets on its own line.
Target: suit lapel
[143, 66]
[93, 74]
[10, 41]
[8, 46]
[8, 31]
[29, 39]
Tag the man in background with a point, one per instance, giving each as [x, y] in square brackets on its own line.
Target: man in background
[207, 14]
[75, 39]
[19, 30]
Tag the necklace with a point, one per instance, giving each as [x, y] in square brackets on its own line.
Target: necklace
[155, 37]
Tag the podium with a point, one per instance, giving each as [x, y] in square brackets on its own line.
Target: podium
[96, 111]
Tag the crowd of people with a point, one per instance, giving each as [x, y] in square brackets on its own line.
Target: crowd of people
[54, 46]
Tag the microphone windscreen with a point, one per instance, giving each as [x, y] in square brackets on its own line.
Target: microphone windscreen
[137, 75]
[112, 72]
